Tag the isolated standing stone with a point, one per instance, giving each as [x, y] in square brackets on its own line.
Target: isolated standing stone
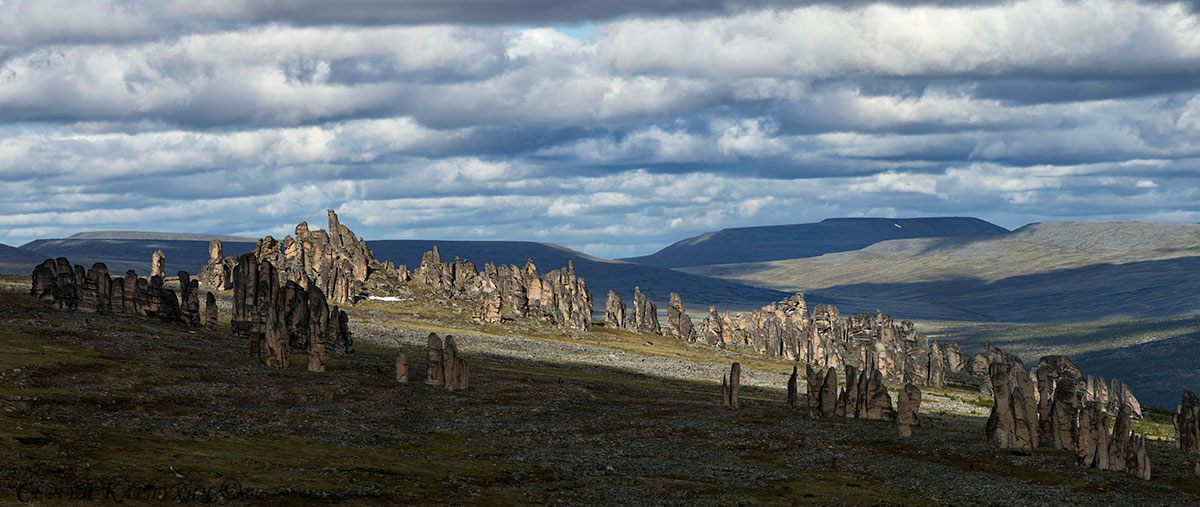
[813, 379]
[909, 406]
[210, 311]
[1187, 423]
[735, 382]
[848, 398]
[645, 314]
[828, 402]
[792, 387]
[434, 371]
[450, 363]
[401, 366]
[158, 264]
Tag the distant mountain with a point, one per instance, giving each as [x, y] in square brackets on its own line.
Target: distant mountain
[174, 236]
[698, 292]
[17, 261]
[776, 242]
[1054, 271]
[121, 255]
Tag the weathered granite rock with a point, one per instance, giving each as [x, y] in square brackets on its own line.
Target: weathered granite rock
[210, 311]
[450, 363]
[1064, 423]
[303, 315]
[875, 401]
[1013, 419]
[956, 361]
[792, 386]
[936, 367]
[1120, 395]
[401, 367]
[908, 404]
[189, 298]
[434, 372]
[1092, 447]
[158, 264]
[614, 311]
[829, 393]
[488, 311]
[96, 293]
[1139, 461]
[712, 329]
[339, 325]
[644, 315]
[275, 339]
[217, 274]
[679, 325]
[813, 379]
[1187, 423]
[731, 385]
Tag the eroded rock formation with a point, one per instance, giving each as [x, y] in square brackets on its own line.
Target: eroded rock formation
[643, 316]
[158, 264]
[731, 385]
[217, 274]
[433, 366]
[401, 367]
[679, 325]
[614, 311]
[1187, 423]
[908, 408]
[792, 387]
[1013, 422]
[211, 312]
[275, 318]
[55, 282]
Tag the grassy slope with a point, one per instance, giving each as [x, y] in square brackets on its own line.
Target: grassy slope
[95, 400]
[1041, 272]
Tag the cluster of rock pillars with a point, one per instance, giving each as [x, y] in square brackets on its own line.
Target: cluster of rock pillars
[287, 296]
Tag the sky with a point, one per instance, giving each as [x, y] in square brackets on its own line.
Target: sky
[615, 127]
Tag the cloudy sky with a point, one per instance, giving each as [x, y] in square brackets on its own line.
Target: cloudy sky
[613, 127]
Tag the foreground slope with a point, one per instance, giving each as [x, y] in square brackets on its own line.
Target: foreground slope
[131, 405]
[1056, 271]
[698, 292]
[757, 244]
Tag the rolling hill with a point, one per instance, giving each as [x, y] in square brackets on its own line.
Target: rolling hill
[776, 242]
[1055, 271]
[121, 255]
[17, 261]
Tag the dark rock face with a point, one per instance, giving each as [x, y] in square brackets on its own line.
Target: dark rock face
[1093, 436]
[614, 311]
[1187, 423]
[275, 318]
[679, 325]
[792, 386]
[813, 378]
[56, 283]
[1064, 424]
[908, 405]
[644, 315]
[848, 399]
[217, 274]
[158, 264]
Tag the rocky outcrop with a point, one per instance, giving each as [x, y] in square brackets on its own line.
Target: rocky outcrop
[274, 318]
[956, 361]
[731, 385]
[1013, 422]
[643, 316]
[679, 325]
[508, 292]
[158, 264]
[847, 402]
[1064, 422]
[454, 368]
[1092, 446]
[786, 329]
[813, 379]
[908, 405]
[614, 311]
[1187, 423]
[217, 274]
[56, 283]
[873, 401]
[1126, 449]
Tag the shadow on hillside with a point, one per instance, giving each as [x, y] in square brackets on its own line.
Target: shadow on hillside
[1141, 289]
[1157, 371]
